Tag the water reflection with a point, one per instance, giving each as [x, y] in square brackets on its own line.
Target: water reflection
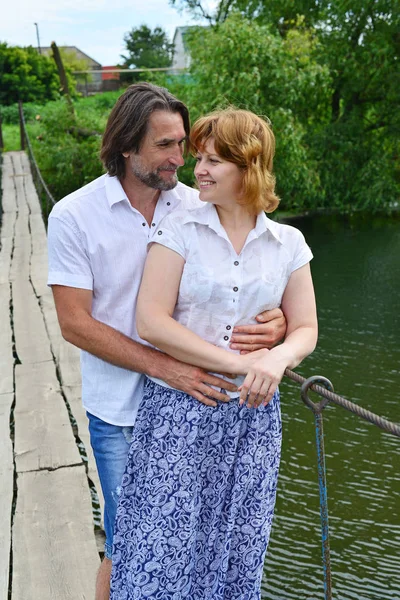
[356, 272]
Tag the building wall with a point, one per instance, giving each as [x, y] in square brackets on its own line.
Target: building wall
[181, 57]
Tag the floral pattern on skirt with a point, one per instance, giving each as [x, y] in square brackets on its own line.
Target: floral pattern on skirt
[197, 499]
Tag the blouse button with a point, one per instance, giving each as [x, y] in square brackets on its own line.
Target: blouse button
[236, 263]
[144, 224]
[228, 327]
[235, 289]
[226, 338]
[153, 224]
[160, 232]
[168, 203]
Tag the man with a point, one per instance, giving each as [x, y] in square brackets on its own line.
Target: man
[97, 247]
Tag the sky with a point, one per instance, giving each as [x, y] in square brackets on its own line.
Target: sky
[96, 27]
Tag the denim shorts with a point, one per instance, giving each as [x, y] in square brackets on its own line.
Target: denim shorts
[110, 445]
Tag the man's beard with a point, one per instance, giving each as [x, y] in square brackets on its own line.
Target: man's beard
[152, 178]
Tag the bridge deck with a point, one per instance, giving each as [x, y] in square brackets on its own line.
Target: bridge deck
[47, 538]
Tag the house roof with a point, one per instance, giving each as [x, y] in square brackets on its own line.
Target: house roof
[79, 54]
[183, 31]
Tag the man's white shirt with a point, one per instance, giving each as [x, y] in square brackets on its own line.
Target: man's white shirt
[97, 241]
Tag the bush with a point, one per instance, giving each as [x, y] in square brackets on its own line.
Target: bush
[66, 146]
[10, 114]
[26, 75]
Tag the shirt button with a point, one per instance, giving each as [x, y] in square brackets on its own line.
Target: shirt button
[228, 327]
[153, 224]
[235, 289]
[236, 263]
[144, 224]
[168, 203]
[226, 338]
[160, 232]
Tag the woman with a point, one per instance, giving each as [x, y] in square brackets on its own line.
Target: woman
[198, 493]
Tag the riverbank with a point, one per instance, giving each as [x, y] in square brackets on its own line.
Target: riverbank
[324, 215]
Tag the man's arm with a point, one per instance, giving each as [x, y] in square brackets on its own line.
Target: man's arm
[269, 331]
[74, 307]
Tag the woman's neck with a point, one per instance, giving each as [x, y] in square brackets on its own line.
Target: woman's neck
[235, 217]
[237, 222]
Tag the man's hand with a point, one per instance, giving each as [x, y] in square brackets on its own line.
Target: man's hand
[270, 330]
[196, 382]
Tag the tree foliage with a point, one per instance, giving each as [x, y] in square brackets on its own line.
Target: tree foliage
[247, 65]
[26, 75]
[147, 48]
[332, 70]
[67, 158]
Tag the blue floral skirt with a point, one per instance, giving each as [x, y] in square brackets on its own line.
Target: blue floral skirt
[197, 499]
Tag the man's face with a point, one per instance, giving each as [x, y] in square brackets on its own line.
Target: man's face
[161, 154]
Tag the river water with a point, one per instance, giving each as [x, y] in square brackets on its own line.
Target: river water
[356, 272]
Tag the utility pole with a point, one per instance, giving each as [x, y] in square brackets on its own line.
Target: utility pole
[38, 40]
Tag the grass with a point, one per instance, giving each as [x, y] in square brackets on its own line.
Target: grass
[11, 135]
[11, 138]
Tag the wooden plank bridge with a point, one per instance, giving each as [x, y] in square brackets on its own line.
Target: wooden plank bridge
[48, 547]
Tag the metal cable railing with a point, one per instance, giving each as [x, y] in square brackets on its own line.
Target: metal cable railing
[329, 395]
[41, 182]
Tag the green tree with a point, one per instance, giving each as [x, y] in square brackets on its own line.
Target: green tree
[359, 42]
[26, 75]
[351, 126]
[360, 147]
[147, 48]
[247, 64]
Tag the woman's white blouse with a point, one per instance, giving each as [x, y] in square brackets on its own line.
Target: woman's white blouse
[220, 288]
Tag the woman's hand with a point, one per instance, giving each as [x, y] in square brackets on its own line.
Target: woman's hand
[265, 369]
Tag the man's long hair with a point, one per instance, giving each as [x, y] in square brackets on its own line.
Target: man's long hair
[128, 122]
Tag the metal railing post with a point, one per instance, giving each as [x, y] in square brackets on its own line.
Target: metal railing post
[323, 494]
[1, 135]
[21, 125]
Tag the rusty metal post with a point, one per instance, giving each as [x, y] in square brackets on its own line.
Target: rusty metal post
[21, 125]
[323, 495]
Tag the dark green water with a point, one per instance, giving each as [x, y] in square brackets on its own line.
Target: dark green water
[356, 273]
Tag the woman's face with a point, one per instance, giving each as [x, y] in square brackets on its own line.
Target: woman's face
[219, 181]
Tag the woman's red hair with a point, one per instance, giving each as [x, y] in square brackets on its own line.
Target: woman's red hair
[245, 139]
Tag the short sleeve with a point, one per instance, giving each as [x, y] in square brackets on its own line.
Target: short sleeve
[169, 233]
[69, 263]
[302, 252]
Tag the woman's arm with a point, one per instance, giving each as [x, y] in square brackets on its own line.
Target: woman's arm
[298, 305]
[155, 324]
[264, 368]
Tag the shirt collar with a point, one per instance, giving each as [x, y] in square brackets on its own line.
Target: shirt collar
[264, 224]
[171, 196]
[115, 193]
[207, 215]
